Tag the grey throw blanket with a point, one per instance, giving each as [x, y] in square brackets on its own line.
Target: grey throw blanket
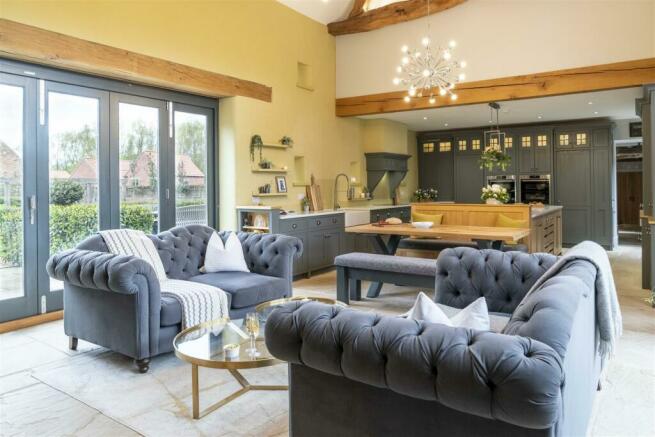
[200, 302]
[608, 313]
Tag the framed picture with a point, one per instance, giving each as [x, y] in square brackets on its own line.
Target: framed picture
[281, 183]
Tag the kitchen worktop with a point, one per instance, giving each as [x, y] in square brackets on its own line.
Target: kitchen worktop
[547, 209]
[311, 213]
[373, 207]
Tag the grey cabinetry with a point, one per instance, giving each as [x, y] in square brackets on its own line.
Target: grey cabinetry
[436, 165]
[535, 151]
[323, 238]
[584, 183]
[603, 179]
[469, 177]
[573, 192]
[648, 160]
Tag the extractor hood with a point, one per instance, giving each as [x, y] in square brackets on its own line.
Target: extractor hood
[394, 165]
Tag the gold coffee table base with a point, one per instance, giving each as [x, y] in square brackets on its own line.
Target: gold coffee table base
[245, 388]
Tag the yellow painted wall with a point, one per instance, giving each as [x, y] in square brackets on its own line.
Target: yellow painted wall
[256, 40]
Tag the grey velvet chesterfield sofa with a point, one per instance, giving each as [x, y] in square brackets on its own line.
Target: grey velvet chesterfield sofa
[114, 301]
[355, 373]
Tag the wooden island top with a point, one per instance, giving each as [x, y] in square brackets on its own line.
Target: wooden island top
[459, 232]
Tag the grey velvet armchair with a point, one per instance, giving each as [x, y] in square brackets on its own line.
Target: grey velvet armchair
[354, 373]
[114, 301]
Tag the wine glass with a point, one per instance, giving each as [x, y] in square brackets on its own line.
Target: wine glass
[252, 328]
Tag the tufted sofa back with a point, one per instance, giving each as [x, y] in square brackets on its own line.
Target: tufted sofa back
[182, 250]
[464, 274]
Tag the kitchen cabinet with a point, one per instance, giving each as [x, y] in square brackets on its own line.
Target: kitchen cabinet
[573, 192]
[647, 249]
[546, 232]
[435, 162]
[648, 160]
[535, 151]
[604, 199]
[468, 176]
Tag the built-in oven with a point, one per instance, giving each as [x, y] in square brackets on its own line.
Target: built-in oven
[535, 188]
[509, 182]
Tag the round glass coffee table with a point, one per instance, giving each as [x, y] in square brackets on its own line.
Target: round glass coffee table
[225, 344]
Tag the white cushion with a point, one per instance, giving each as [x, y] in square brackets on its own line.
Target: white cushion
[474, 316]
[226, 257]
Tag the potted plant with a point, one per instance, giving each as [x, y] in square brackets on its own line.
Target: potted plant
[256, 143]
[425, 195]
[494, 157]
[304, 202]
[286, 141]
[265, 164]
[494, 194]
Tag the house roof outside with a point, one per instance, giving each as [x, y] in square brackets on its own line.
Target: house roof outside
[11, 163]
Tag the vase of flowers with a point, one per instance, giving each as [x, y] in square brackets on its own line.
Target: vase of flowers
[494, 194]
[425, 195]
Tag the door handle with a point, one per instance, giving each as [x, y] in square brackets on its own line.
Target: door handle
[32, 209]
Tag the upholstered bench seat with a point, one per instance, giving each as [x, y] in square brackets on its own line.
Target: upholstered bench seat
[354, 267]
[388, 263]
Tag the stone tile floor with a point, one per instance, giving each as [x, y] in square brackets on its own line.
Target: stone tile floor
[48, 390]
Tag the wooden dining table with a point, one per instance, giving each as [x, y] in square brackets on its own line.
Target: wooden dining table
[486, 237]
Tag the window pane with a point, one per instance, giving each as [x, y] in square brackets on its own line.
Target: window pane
[138, 132]
[190, 168]
[73, 171]
[11, 192]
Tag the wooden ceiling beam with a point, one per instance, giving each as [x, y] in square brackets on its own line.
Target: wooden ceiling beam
[553, 83]
[33, 44]
[363, 21]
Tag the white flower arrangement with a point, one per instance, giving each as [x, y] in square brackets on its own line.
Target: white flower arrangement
[496, 192]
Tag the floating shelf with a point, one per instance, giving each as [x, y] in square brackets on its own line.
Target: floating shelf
[269, 194]
[256, 228]
[275, 146]
[300, 184]
[268, 170]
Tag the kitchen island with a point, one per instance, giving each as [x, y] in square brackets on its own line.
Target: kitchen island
[545, 223]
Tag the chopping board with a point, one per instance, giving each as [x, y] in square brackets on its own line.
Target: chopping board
[315, 197]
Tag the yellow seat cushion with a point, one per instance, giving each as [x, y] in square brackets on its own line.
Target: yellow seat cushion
[502, 221]
[422, 217]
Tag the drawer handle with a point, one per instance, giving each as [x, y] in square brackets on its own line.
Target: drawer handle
[294, 226]
[318, 222]
[334, 220]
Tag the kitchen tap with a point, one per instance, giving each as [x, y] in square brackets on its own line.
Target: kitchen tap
[334, 192]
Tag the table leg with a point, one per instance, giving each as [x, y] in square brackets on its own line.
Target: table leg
[388, 248]
[490, 244]
[243, 382]
[195, 392]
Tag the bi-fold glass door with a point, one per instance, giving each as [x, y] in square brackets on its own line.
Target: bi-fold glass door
[18, 243]
[75, 160]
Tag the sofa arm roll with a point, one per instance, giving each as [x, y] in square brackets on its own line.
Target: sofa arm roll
[101, 270]
[271, 254]
[514, 379]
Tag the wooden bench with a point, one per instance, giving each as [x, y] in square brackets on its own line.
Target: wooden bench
[352, 268]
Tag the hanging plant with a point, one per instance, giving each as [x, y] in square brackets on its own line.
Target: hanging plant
[493, 157]
[256, 143]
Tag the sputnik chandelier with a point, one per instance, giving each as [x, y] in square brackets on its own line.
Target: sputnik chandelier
[426, 71]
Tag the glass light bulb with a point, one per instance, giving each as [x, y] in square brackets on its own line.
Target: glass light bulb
[407, 99]
[399, 69]
[461, 76]
[442, 92]
[425, 41]
[462, 64]
[405, 60]
[453, 97]
[404, 49]
[396, 81]
[426, 73]
[412, 92]
[452, 44]
[417, 54]
[446, 55]
[432, 100]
